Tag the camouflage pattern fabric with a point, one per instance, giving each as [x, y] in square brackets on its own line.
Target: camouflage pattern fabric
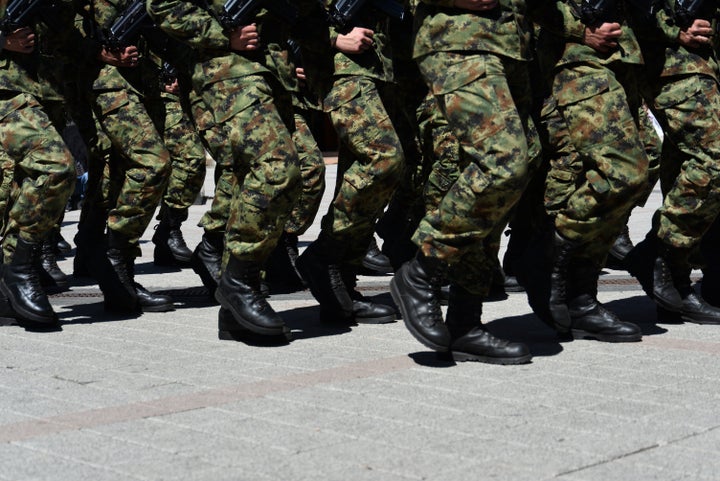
[265, 163]
[688, 109]
[187, 155]
[312, 171]
[600, 109]
[44, 173]
[370, 161]
[485, 99]
[143, 160]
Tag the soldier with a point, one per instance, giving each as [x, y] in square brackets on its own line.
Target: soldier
[187, 154]
[482, 86]
[681, 88]
[370, 162]
[124, 97]
[43, 177]
[251, 133]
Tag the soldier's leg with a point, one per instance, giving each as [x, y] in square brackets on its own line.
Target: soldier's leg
[143, 164]
[280, 269]
[186, 180]
[688, 108]
[44, 175]
[369, 167]
[603, 127]
[268, 183]
[495, 134]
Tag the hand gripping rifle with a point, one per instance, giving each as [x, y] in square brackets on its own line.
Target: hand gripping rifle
[241, 12]
[343, 12]
[687, 11]
[595, 12]
[17, 14]
[127, 27]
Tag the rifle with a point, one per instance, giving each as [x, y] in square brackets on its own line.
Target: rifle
[241, 12]
[343, 11]
[595, 12]
[127, 27]
[687, 11]
[17, 14]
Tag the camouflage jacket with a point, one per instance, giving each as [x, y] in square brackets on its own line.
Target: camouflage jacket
[201, 29]
[375, 62]
[563, 31]
[665, 57]
[18, 71]
[505, 30]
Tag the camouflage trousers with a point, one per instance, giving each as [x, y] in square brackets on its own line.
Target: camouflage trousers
[312, 171]
[187, 155]
[599, 168]
[485, 99]
[43, 173]
[248, 136]
[141, 167]
[688, 109]
[370, 162]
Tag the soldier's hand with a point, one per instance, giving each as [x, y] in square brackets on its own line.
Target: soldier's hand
[358, 40]
[21, 40]
[603, 38]
[126, 57]
[476, 5]
[172, 87]
[245, 38]
[697, 34]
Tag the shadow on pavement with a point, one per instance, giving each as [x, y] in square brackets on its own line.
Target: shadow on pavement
[304, 322]
[91, 313]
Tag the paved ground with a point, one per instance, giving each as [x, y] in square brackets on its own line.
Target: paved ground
[160, 397]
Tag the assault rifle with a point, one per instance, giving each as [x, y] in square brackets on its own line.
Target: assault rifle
[241, 12]
[687, 11]
[17, 14]
[344, 11]
[127, 27]
[595, 12]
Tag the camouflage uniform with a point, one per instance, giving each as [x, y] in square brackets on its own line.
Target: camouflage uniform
[127, 104]
[681, 88]
[370, 158]
[43, 170]
[481, 84]
[597, 117]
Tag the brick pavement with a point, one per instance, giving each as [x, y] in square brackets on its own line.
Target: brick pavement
[159, 397]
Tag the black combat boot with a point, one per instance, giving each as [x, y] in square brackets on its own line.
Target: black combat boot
[470, 340]
[415, 289]
[375, 261]
[50, 274]
[693, 308]
[533, 271]
[62, 247]
[239, 292]
[115, 280]
[319, 266]
[563, 250]
[710, 287]
[207, 259]
[517, 243]
[7, 315]
[20, 283]
[619, 250]
[589, 318]
[652, 264]
[364, 310]
[230, 330]
[148, 301]
[281, 274]
[170, 246]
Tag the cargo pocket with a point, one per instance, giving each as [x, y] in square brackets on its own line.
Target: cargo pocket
[341, 93]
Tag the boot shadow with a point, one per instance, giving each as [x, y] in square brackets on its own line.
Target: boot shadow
[91, 314]
[304, 323]
[642, 311]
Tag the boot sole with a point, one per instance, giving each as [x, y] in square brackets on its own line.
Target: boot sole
[244, 322]
[504, 361]
[375, 320]
[159, 308]
[579, 334]
[397, 297]
[699, 320]
[25, 315]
